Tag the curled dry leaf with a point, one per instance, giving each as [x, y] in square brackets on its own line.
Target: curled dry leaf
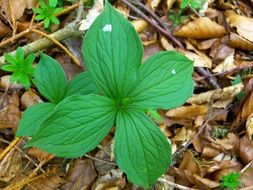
[10, 165]
[249, 126]
[247, 108]
[183, 135]
[243, 25]
[239, 42]
[199, 58]
[205, 183]
[216, 95]
[201, 28]
[226, 65]
[139, 25]
[166, 44]
[187, 111]
[30, 98]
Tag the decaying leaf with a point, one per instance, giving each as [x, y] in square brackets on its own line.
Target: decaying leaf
[187, 111]
[247, 108]
[244, 25]
[9, 6]
[201, 28]
[246, 149]
[170, 4]
[139, 25]
[39, 154]
[30, 98]
[249, 126]
[239, 42]
[4, 30]
[226, 65]
[247, 176]
[5, 83]
[216, 95]
[81, 174]
[153, 3]
[10, 165]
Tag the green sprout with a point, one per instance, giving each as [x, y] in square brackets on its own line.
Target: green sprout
[230, 181]
[21, 67]
[47, 12]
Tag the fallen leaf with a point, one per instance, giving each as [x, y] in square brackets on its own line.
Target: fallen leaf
[201, 28]
[153, 3]
[247, 176]
[187, 111]
[249, 126]
[239, 42]
[18, 8]
[10, 165]
[39, 154]
[246, 149]
[139, 25]
[170, 4]
[226, 65]
[244, 25]
[30, 98]
[81, 174]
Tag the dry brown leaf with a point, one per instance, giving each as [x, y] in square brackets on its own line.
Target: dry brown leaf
[201, 28]
[246, 149]
[247, 108]
[4, 30]
[153, 3]
[205, 183]
[39, 154]
[247, 176]
[10, 165]
[209, 152]
[31, 3]
[206, 44]
[239, 42]
[170, 4]
[166, 44]
[187, 111]
[199, 58]
[244, 25]
[10, 115]
[111, 180]
[216, 95]
[139, 25]
[18, 7]
[226, 65]
[47, 183]
[249, 126]
[81, 174]
[30, 98]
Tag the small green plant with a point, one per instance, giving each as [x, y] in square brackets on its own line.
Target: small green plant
[117, 91]
[21, 67]
[219, 131]
[230, 181]
[178, 17]
[47, 12]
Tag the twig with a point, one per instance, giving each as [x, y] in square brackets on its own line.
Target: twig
[159, 28]
[208, 76]
[75, 60]
[99, 160]
[9, 147]
[67, 32]
[172, 184]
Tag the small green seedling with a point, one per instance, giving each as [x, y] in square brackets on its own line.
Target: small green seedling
[178, 17]
[119, 91]
[47, 12]
[219, 131]
[21, 67]
[230, 181]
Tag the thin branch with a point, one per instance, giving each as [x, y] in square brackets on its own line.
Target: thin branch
[159, 28]
[172, 184]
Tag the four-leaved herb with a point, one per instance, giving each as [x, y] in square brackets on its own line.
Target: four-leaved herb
[21, 67]
[126, 89]
[230, 181]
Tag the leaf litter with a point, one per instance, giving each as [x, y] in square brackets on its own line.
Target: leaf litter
[211, 134]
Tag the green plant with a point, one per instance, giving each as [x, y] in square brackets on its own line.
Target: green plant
[219, 131]
[21, 67]
[124, 90]
[230, 181]
[178, 17]
[47, 12]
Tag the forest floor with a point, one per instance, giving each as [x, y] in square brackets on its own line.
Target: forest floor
[211, 134]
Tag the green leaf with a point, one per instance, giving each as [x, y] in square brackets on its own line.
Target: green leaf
[40, 17]
[54, 20]
[141, 149]
[37, 10]
[33, 117]
[78, 124]
[53, 3]
[10, 58]
[8, 67]
[164, 81]
[112, 51]
[81, 84]
[46, 22]
[57, 10]
[50, 79]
